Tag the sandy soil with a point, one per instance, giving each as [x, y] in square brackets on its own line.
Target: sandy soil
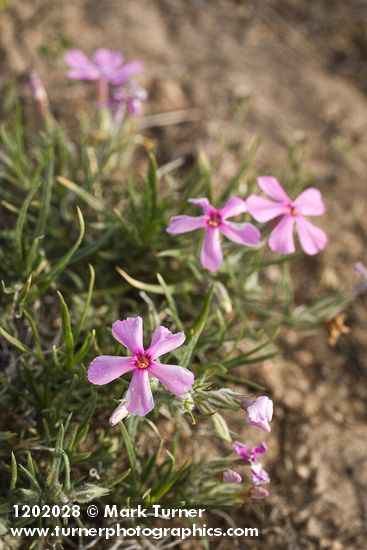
[291, 58]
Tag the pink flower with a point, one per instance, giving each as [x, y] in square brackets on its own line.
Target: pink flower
[142, 363]
[106, 65]
[230, 476]
[130, 96]
[260, 412]
[290, 214]
[246, 453]
[215, 222]
[258, 474]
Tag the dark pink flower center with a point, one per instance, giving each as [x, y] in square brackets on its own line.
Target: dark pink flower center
[214, 220]
[293, 209]
[142, 361]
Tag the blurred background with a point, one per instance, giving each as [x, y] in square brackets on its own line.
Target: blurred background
[221, 73]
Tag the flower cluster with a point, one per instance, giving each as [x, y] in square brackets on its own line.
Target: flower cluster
[107, 67]
[288, 214]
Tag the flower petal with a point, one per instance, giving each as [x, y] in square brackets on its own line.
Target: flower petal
[118, 414]
[130, 334]
[310, 202]
[81, 67]
[164, 341]
[263, 209]
[211, 253]
[105, 368]
[184, 224]
[271, 186]
[258, 450]
[258, 474]
[281, 238]
[260, 412]
[204, 204]
[107, 59]
[312, 238]
[241, 233]
[139, 396]
[233, 207]
[120, 76]
[177, 380]
[242, 450]
[230, 476]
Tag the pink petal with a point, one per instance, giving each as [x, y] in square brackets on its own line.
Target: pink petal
[204, 204]
[81, 67]
[241, 449]
[241, 233]
[260, 412]
[281, 238]
[177, 380]
[258, 450]
[233, 207]
[264, 210]
[130, 334]
[120, 76]
[118, 414]
[230, 476]
[105, 368]
[184, 224]
[164, 341]
[140, 399]
[258, 474]
[312, 238]
[211, 253]
[76, 59]
[107, 59]
[271, 186]
[310, 202]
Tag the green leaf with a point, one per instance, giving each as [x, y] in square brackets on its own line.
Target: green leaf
[14, 472]
[171, 302]
[197, 328]
[66, 331]
[46, 195]
[18, 344]
[220, 426]
[84, 195]
[179, 288]
[47, 278]
[129, 447]
[83, 316]
[22, 219]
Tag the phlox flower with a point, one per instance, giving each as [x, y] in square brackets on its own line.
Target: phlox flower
[142, 363]
[290, 215]
[260, 412]
[106, 65]
[130, 96]
[248, 454]
[215, 222]
[259, 476]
